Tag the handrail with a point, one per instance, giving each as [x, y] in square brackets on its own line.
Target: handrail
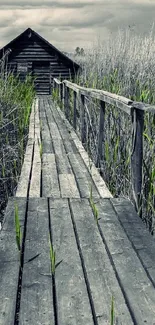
[134, 109]
[121, 102]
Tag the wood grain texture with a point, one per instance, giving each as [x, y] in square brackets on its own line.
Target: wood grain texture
[72, 299]
[50, 183]
[22, 188]
[138, 288]
[36, 298]
[68, 186]
[116, 100]
[101, 276]
[142, 241]
[36, 163]
[99, 182]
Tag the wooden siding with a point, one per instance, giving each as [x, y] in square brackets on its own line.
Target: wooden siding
[50, 63]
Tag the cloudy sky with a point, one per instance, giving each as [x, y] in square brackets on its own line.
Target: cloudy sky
[70, 23]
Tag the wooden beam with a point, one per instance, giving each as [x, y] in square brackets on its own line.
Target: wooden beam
[74, 114]
[137, 155]
[101, 134]
[121, 102]
[82, 119]
[66, 101]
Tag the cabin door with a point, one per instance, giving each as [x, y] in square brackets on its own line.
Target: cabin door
[41, 73]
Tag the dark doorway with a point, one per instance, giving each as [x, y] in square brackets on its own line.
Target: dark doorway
[41, 72]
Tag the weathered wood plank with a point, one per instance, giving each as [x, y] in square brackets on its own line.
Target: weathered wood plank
[58, 146]
[70, 146]
[72, 299]
[68, 186]
[119, 101]
[99, 182]
[54, 130]
[36, 298]
[63, 165]
[137, 233]
[50, 184]
[47, 146]
[22, 188]
[82, 176]
[36, 173]
[81, 173]
[100, 273]
[52, 125]
[138, 289]
[9, 261]
[36, 168]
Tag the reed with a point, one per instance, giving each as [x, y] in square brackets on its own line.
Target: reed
[124, 66]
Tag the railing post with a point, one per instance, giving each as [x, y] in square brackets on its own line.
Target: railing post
[137, 156]
[66, 102]
[74, 113]
[54, 83]
[82, 115]
[101, 134]
[61, 92]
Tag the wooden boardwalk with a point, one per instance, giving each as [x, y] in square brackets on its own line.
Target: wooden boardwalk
[94, 260]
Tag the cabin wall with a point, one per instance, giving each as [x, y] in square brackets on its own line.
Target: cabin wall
[34, 56]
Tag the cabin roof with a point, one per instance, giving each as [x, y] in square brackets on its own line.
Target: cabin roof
[26, 32]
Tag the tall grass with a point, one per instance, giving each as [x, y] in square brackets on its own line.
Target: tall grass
[16, 99]
[123, 65]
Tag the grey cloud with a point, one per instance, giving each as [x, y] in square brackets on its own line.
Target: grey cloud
[85, 19]
[48, 4]
[97, 20]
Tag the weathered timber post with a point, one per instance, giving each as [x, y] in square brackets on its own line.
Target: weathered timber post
[54, 84]
[82, 118]
[74, 112]
[101, 134]
[61, 92]
[137, 156]
[66, 102]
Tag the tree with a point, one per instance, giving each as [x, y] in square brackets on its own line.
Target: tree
[79, 51]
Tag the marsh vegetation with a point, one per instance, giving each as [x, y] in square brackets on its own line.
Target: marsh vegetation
[123, 65]
[15, 107]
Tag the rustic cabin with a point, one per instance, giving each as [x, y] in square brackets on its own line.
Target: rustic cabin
[31, 53]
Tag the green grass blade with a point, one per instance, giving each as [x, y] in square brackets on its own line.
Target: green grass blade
[112, 311]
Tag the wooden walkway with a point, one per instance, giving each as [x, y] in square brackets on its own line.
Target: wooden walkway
[94, 260]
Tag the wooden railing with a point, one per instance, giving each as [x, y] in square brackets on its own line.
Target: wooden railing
[134, 109]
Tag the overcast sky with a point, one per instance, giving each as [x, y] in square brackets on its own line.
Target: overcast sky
[71, 23]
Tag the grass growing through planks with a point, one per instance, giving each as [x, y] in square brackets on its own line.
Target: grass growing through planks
[56, 98]
[112, 312]
[93, 205]
[18, 231]
[40, 148]
[52, 258]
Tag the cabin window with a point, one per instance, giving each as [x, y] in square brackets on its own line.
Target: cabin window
[22, 67]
